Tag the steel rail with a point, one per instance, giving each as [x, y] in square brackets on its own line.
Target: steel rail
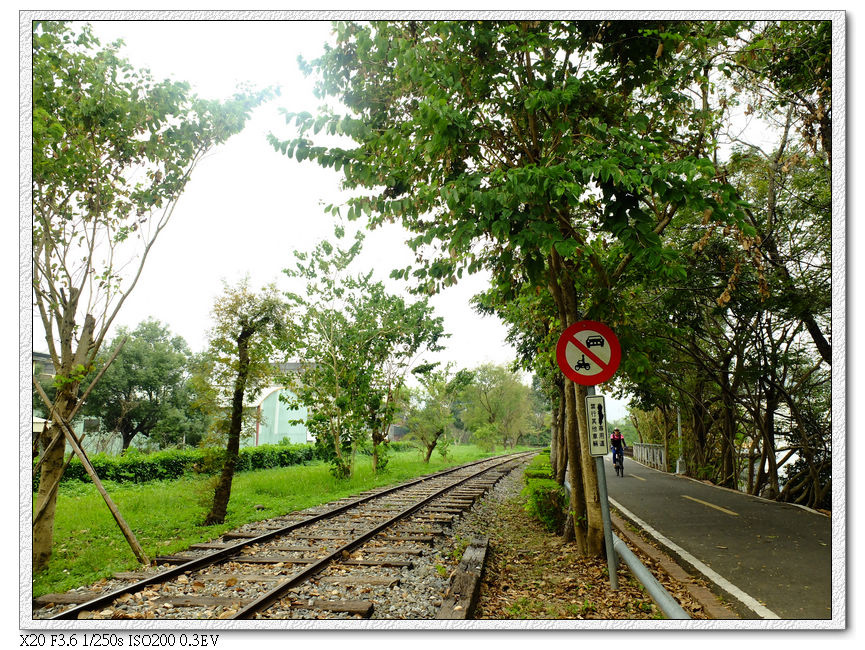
[228, 552]
[270, 597]
[669, 605]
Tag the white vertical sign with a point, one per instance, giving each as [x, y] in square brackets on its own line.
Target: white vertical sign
[596, 414]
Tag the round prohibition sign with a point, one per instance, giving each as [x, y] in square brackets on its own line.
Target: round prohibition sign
[588, 353]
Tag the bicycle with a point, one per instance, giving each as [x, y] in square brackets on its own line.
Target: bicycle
[619, 461]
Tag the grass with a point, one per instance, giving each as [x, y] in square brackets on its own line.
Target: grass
[166, 516]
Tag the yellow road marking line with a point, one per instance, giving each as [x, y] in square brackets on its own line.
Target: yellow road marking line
[711, 505]
[639, 477]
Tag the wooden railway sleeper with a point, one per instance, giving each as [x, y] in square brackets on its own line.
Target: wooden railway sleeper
[251, 537]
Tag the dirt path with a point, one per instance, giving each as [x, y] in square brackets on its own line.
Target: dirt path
[531, 574]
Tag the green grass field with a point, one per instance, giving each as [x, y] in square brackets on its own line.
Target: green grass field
[166, 515]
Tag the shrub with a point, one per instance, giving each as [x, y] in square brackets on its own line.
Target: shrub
[545, 501]
[136, 467]
[538, 468]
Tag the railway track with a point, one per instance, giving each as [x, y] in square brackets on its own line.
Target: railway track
[335, 560]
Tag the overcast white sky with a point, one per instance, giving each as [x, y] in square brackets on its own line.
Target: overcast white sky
[248, 207]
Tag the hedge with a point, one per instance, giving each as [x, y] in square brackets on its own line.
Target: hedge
[545, 499]
[539, 467]
[135, 467]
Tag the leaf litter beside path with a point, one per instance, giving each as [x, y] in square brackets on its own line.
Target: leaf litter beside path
[532, 574]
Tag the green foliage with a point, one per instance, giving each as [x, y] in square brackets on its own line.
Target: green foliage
[539, 468]
[356, 343]
[145, 391]
[429, 415]
[444, 445]
[545, 498]
[136, 467]
[485, 436]
[545, 501]
[113, 150]
[460, 544]
[526, 148]
[497, 406]
[581, 164]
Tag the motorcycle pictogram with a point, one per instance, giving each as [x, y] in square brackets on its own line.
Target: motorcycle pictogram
[585, 365]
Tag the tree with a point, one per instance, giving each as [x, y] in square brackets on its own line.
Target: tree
[788, 64]
[145, 388]
[356, 343]
[430, 415]
[555, 154]
[112, 153]
[249, 328]
[497, 405]
[404, 332]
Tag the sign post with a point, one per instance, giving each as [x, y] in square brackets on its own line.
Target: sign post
[599, 444]
[596, 414]
[588, 353]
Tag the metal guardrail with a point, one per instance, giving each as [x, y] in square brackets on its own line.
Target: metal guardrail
[651, 455]
[655, 589]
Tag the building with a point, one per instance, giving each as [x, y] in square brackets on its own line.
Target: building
[43, 366]
[44, 371]
[275, 417]
[274, 421]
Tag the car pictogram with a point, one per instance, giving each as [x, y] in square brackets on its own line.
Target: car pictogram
[595, 341]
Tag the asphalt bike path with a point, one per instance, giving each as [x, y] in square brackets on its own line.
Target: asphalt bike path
[773, 558]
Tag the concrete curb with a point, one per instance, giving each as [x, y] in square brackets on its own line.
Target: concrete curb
[462, 596]
[713, 607]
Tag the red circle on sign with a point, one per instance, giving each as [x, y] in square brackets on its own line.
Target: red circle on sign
[608, 368]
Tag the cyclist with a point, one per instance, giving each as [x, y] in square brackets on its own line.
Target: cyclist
[617, 442]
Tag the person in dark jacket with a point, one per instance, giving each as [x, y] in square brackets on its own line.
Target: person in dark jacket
[617, 442]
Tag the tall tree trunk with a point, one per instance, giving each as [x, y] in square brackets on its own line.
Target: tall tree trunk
[51, 473]
[594, 519]
[562, 466]
[594, 531]
[378, 437]
[429, 451]
[699, 428]
[554, 440]
[64, 403]
[666, 437]
[577, 514]
[126, 437]
[728, 434]
[374, 455]
[563, 294]
[222, 494]
[768, 471]
[752, 455]
[802, 309]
